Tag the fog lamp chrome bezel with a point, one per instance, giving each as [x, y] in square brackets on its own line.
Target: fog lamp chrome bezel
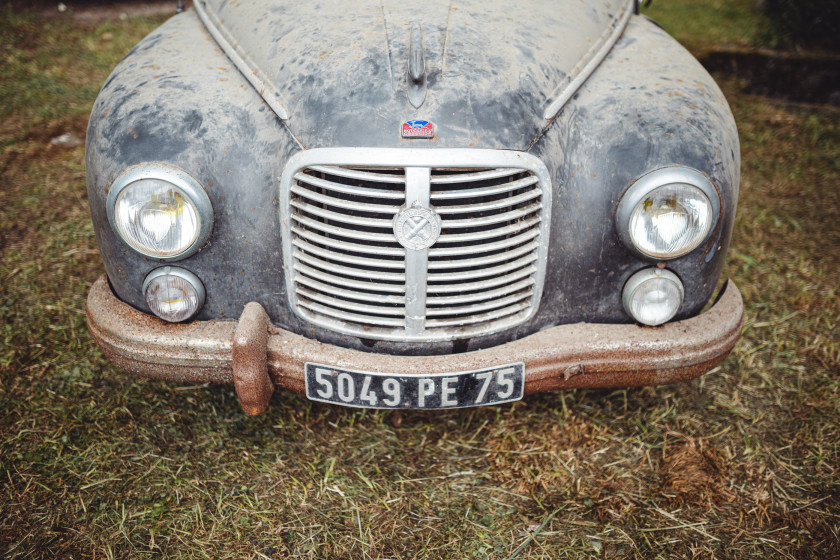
[642, 276]
[647, 184]
[179, 178]
[183, 274]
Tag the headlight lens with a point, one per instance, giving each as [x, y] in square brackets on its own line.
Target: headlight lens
[173, 294]
[671, 221]
[653, 296]
[668, 213]
[156, 218]
[160, 211]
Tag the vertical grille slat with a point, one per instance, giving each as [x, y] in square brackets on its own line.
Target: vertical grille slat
[350, 273]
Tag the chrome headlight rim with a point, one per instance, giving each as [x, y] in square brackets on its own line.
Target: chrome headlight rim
[639, 278]
[179, 178]
[647, 184]
[184, 274]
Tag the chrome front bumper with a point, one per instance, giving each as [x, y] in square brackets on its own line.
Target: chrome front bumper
[256, 356]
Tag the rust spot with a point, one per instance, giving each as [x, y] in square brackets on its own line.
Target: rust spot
[572, 371]
[250, 360]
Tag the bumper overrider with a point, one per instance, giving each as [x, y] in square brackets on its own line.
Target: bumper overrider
[256, 356]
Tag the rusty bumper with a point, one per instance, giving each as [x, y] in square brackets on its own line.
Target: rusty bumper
[255, 356]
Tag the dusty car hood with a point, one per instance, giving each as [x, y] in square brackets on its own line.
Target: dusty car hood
[337, 72]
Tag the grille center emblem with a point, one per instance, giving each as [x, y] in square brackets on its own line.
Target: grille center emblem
[417, 227]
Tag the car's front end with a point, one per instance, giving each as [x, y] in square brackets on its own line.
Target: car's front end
[429, 206]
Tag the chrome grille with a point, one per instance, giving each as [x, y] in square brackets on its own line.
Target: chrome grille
[482, 267]
[346, 270]
[348, 265]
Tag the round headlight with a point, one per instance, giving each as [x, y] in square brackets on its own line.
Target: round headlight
[668, 213]
[653, 296]
[173, 294]
[160, 211]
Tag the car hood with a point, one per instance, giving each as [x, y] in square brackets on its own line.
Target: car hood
[337, 73]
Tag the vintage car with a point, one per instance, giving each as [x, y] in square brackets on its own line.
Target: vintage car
[401, 204]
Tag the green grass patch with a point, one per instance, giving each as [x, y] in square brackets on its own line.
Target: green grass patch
[704, 25]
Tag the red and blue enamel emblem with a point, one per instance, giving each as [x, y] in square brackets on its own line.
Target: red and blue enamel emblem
[418, 129]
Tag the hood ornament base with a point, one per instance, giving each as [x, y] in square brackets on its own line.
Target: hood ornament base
[416, 75]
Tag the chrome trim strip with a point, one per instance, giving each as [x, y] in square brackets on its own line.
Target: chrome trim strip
[483, 284]
[357, 174]
[315, 238]
[492, 271]
[348, 189]
[474, 193]
[483, 261]
[483, 296]
[334, 230]
[247, 67]
[351, 305]
[470, 177]
[592, 59]
[376, 263]
[481, 207]
[490, 233]
[471, 319]
[343, 315]
[485, 247]
[417, 187]
[391, 288]
[332, 201]
[307, 257]
[485, 305]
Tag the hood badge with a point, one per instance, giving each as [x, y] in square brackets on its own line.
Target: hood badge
[417, 129]
[417, 227]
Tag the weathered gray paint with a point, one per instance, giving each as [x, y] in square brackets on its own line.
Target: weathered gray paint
[177, 98]
[341, 73]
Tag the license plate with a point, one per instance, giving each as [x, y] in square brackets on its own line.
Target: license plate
[393, 390]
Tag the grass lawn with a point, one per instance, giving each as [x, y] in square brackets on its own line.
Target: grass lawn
[741, 463]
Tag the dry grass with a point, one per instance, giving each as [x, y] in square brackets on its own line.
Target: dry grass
[742, 463]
